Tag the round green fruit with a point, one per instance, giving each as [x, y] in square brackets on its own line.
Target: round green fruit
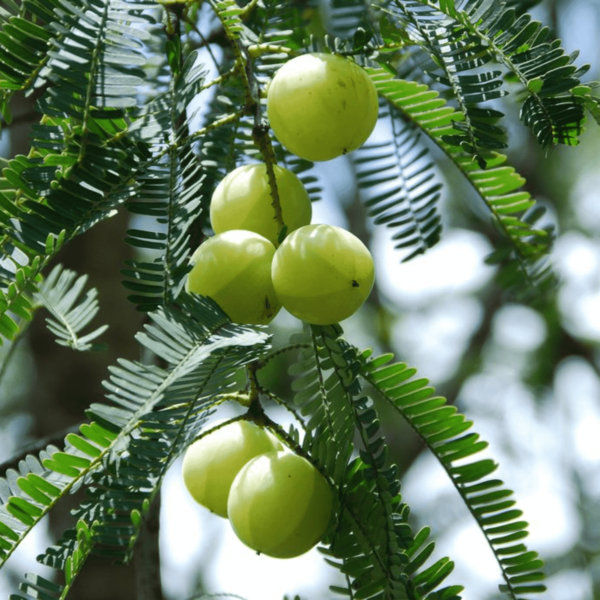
[280, 505]
[321, 106]
[243, 201]
[322, 274]
[211, 463]
[234, 269]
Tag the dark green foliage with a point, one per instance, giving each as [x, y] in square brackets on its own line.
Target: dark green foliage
[499, 186]
[168, 190]
[372, 544]
[400, 187]
[470, 52]
[24, 46]
[326, 401]
[460, 61]
[463, 37]
[81, 163]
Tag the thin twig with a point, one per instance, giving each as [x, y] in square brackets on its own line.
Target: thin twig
[205, 42]
[265, 361]
[281, 402]
[260, 132]
[214, 125]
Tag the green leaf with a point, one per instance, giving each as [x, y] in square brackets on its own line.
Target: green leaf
[485, 497]
[495, 184]
[59, 294]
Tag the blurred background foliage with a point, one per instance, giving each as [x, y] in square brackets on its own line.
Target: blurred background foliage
[528, 374]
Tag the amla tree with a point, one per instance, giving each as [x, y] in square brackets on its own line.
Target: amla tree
[120, 130]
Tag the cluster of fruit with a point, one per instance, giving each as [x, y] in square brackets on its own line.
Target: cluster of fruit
[320, 106]
[277, 502]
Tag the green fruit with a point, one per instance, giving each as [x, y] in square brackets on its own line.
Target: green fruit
[322, 106]
[211, 464]
[243, 201]
[234, 269]
[280, 505]
[322, 274]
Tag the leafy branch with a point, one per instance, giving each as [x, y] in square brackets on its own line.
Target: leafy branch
[154, 414]
[443, 431]
[230, 16]
[499, 186]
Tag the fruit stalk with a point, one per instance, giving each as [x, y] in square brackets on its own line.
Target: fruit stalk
[283, 435]
[260, 133]
[256, 412]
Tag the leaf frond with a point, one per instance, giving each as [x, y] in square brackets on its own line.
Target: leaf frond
[169, 191]
[446, 434]
[461, 63]
[24, 43]
[321, 397]
[99, 80]
[499, 186]
[114, 455]
[400, 188]
[80, 165]
[463, 37]
[372, 543]
[60, 295]
[41, 211]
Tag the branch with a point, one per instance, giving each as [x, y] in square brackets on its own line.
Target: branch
[146, 559]
[260, 132]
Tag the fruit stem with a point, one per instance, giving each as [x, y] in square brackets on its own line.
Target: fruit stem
[255, 409]
[256, 413]
[238, 53]
[260, 134]
[278, 400]
[254, 385]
